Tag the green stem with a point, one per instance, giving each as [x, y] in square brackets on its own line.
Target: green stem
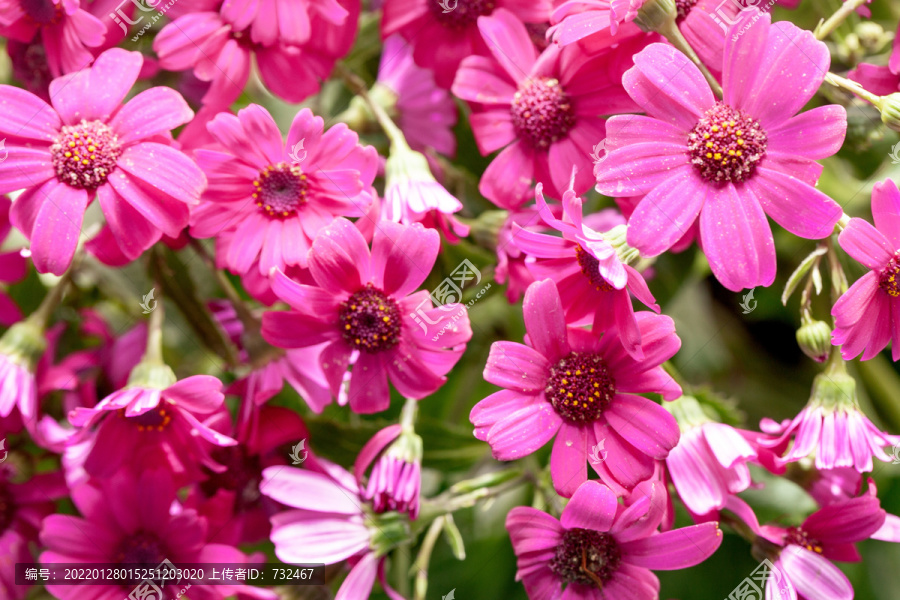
[154, 351]
[854, 88]
[358, 86]
[423, 559]
[834, 21]
[41, 316]
[408, 415]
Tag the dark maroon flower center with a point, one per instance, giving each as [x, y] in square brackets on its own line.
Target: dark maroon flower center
[7, 509]
[142, 548]
[580, 387]
[370, 320]
[459, 14]
[153, 420]
[726, 145]
[587, 557]
[281, 190]
[42, 12]
[542, 112]
[798, 537]
[889, 278]
[242, 475]
[683, 8]
[84, 155]
[589, 266]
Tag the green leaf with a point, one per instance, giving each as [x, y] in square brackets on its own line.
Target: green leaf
[801, 271]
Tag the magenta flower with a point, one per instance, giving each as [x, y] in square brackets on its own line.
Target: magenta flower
[867, 316]
[424, 112]
[593, 283]
[13, 268]
[396, 478]
[87, 145]
[582, 388]
[127, 519]
[541, 109]
[577, 19]
[709, 464]
[362, 305]
[325, 524]
[146, 426]
[600, 549]
[218, 43]
[731, 162]
[66, 30]
[804, 567]
[274, 196]
[442, 39]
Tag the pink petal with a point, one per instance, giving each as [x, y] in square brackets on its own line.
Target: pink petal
[403, 256]
[666, 214]
[866, 244]
[359, 582]
[200, 394]
[524, 431]
[672, 550]
[795, 205]
[886, 210]
[816, 134]
[339, 257]
[25, 115]
[568, 460]
[152, 112]
[638, 168]
[57, 227]
[509, 42]
[516, 367]
[593, 506]
[544, 320]
[815, 576]
[644, 424]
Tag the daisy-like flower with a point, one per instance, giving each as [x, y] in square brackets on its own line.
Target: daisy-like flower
[574, 20]
[831, 426]
[867, 316]
[803, 568]
[731, 162]
[275, 197]
[709, 464]
[327, 506]
[602, 550]
[363, 305]
[582, 388]
[541, 109]
[218, 41]
[424, 112]
[153, 421]
[592, 280]
[67, 31]
[396, 476]
[89, 145]
[128, 519]
[441, 39]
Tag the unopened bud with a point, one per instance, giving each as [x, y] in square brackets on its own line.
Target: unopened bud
[890, 111]
[814, 338]
[654, 15]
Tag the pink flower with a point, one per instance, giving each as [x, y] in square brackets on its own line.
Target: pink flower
[424, 112]
[441, 39]
[66, 30]
[601, 549]
[128, 519]
[594, 283]
[274, 196]
[325, 507]
[362, 305]
[152, 424]
[218, 45]
[727, 162]
[231, 499]
[576, 19]
[89, 145]
[580, 387]
[709, 464]
[867, 316]
[13, 268]
[541, 109]
[804, 567]
[396, 476]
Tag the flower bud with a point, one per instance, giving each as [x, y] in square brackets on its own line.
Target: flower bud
[654, 14]
[617, 238]
[814, 338]
[890, 111]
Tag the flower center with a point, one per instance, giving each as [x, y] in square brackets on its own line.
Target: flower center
[84, 155]
[141, 548]
[797, 536]
[152, 420]
[580, 387]
[587, 557]
[281, 190]
[242, 476]
[459, 14]
[7, 509]
[42, 12]
[590, 268]
[542, 112]
[726, 144]
[683, 8]
[888, 278]
[370, 320]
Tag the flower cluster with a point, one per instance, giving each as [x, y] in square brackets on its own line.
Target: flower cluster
[272, 341]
